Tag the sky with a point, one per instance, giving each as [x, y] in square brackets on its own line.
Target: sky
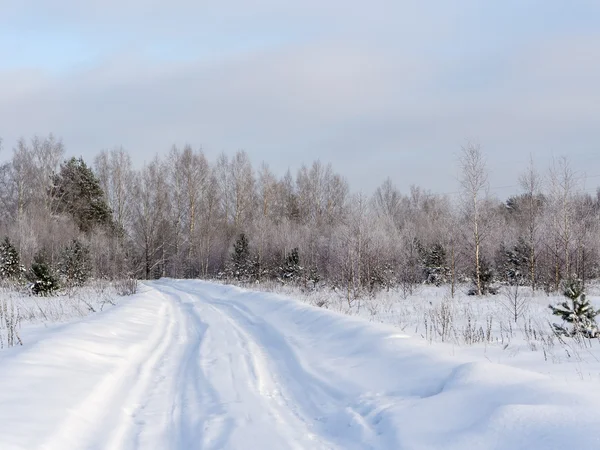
[380, 89]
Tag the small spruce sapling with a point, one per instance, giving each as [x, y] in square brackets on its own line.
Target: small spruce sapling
[241, 266]
[291, 271]
[434, 264]
[486, 279]
[43, 281]
[10, 262]
[75, 264]
[513, 263]
[577, 311]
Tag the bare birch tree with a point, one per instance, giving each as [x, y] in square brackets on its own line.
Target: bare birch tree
[149, 219]
[474, 181]
[114, 170]
[531, 184]
[561, 191]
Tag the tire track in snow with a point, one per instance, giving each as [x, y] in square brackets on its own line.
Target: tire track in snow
[208, 367]
[241, 379]
[150, 380]
[321, 410]
[210, 376]
[81, 422]
[197, 410]
[307, 395]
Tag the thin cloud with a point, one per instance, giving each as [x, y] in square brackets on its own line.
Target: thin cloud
[388, 88]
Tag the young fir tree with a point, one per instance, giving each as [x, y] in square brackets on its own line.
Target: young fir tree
[291, 271]
[434, 262]
[75, 264]
[486, 278]
[513, 263]
[242, 265]
[10, 262]
[41, 276]
[577, 311]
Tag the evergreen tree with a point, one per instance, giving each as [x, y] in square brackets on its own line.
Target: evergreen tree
[291, 271]
[41, 276]
[513, 263]
[242, 265]
[434, 263]
[10, 262]
[486, 278]
[75, 264]
[77, 192]
[577, 311]
[256, 269]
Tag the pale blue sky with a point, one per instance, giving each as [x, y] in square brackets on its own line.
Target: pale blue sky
[380, 88]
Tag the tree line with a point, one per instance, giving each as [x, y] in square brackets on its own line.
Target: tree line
[184, 216]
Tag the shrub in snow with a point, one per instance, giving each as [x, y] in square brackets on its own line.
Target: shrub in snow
[43, 281]
[577, 311]
[10, 262]
[313, 277]
[75, 264]
[127, 286]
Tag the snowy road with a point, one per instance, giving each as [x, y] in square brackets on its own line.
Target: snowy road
[190, 365]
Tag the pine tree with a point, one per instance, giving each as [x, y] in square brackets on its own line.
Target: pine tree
[43, 280]
[78, 192]
[10, 262]
[577, 311]
[75, 264]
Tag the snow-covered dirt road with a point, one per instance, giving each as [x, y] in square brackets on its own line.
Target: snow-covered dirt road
[192, 365]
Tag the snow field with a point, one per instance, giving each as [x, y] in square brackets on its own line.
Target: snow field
[193, 365]
[23, 317]
[481, 327]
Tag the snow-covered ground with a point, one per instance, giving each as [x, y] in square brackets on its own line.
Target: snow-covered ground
[24, 317]
[194, 365]
[481, 327]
